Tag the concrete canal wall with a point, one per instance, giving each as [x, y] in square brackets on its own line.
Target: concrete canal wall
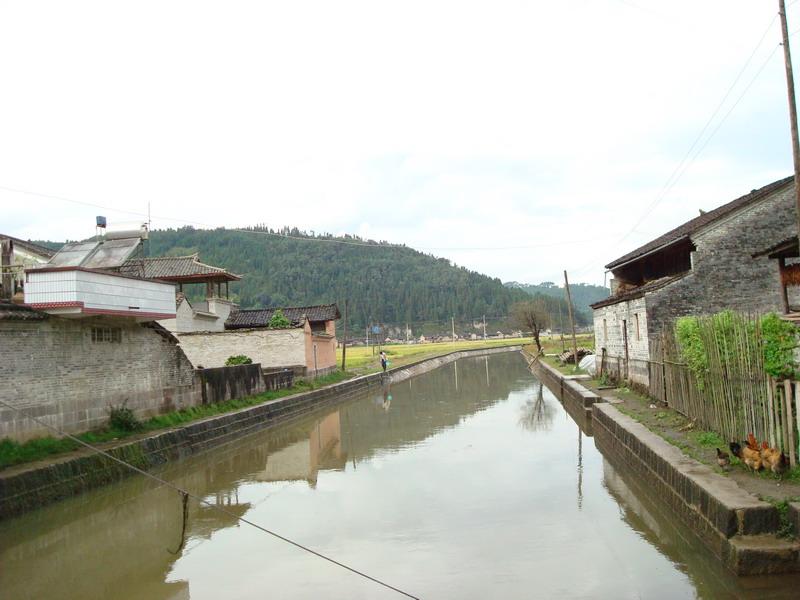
[737, 527]
[28, 487]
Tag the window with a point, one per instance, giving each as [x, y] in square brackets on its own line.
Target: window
[638, 336]
[605, 331]
[106, 334]
[318, 326]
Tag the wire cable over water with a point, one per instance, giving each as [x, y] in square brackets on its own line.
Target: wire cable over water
[186, 494]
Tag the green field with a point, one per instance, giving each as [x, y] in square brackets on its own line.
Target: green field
[363, 359]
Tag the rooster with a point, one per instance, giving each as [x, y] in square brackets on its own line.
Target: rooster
[749, 456]
[774, 460]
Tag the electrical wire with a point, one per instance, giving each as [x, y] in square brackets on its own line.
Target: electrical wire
[301, 238]
[188, 494]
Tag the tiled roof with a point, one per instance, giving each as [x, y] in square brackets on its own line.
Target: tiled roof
[260, 317]
[174, 267]
[638, 292]
[30, 246]
[690, 227]
[18, 312]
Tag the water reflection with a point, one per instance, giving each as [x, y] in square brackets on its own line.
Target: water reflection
[536, 414]
[467, 494]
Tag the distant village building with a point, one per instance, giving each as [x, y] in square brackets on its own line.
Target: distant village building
[718, 260]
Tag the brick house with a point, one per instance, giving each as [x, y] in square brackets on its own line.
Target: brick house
[713, 262]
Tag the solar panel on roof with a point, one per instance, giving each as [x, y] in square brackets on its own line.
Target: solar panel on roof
[112, 254]
[72, 255]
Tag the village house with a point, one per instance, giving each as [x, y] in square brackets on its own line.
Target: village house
[718, 260]
[15, 256]
[89, 338]
[307, 346]
[207, 315]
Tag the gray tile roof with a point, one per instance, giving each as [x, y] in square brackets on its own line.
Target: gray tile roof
[260, 317]
[41, 250]
[174, 267]
[17, 312]
[638, 292]
[693, 225]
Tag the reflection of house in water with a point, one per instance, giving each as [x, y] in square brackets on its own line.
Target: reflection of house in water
[302, 460]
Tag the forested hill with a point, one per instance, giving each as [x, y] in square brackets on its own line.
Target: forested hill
[583, 294]
[383, 283]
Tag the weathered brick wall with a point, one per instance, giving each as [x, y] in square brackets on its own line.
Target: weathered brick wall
[608, 326]
[724, 273]
[57, 373]
[271, 347]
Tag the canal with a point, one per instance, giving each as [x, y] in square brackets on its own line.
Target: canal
[470, 481]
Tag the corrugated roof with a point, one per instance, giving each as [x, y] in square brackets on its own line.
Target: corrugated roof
[259, 317]
[174, 267]
[18, 312]
[650, 286]
[693, 225]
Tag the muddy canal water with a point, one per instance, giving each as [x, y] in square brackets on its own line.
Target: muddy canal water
[470, 481]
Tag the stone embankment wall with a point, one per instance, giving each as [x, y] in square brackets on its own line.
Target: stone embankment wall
[736, 526]
[31, 486]
[68, 373]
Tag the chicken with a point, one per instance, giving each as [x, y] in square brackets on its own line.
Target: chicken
[774, 460]
[723, 459]
[749, 456]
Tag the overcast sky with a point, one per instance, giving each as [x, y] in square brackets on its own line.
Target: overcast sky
[459, 128]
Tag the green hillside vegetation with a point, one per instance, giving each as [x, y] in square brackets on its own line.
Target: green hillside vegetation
[384, 283]
[583, 294]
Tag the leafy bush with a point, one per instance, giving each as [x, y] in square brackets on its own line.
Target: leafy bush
[279, 320]
[690, 342]
[780, 340]
[238, 359]
[122, 418]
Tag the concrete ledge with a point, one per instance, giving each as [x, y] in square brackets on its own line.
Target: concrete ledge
[31, 486]
[737, 527]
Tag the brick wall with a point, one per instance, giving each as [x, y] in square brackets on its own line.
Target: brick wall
[724, 273]
[270, 347]
[57, 373]
[609, 322]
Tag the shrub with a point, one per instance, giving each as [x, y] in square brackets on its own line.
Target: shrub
[279, 320]
[123, 419]
[780, 340]
[238, 359]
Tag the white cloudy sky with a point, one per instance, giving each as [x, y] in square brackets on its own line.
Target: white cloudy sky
[461, 128]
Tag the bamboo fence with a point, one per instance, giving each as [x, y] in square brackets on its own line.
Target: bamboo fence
[732, 395]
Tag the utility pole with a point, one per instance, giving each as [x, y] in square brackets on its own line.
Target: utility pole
[367, 337]
[571, 322]
[787, 58]
[484, 328]
[406, 333]
[453, 323]
[344, 343]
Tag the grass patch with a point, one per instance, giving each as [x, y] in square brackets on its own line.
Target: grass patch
[15, 453]
[786, 529]
[708, 439]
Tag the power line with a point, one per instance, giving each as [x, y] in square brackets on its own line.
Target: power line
[188, 494]
[682, 168]
[331, 240]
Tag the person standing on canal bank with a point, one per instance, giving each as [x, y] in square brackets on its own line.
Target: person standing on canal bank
[384, 361]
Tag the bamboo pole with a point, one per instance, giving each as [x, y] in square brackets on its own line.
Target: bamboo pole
[773, 437]
[787, 398]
